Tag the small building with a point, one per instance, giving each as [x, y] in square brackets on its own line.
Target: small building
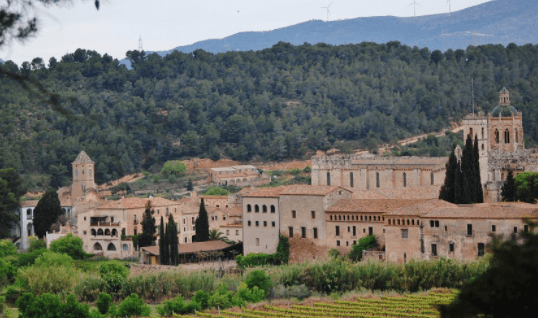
[241, 176]
[188, 252]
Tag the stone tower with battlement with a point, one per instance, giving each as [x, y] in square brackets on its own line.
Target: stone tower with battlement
[83, 175]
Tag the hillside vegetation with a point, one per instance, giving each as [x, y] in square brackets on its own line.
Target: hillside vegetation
[279, 103]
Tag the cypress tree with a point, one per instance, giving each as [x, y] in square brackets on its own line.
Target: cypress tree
[468, 192]
[478, 180]
[46, 213]
[147, 237]
[174, 241]
[447, 190]
[202, 224]
[162, 243]
[458, 185]
[508, 191]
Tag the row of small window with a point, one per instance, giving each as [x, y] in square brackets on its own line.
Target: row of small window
[228, 232]
[451, 247]
[349, 228]
[352, 218]
[377, 179]
[347, 243]
[506, 136]
[294, 214]
[76, 172]
[257, 223]
[167, 211]
[303, 232]
[403, 221]
[470, 227]
[257, 208]
[216, 218]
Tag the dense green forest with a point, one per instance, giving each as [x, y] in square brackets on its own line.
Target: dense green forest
[278, 103]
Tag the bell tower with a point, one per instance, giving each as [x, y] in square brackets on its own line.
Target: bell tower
[83, 175]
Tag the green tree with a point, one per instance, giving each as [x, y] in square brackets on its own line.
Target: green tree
[57, 175]
[215, 235]
[202, 224]
[173, 240]
[190, 186]
[163, 257]
[174, 167]
[132, 306]
[508, 191]
[70, 245]
[11, 190]
[447, 190]
[362, 245]
[502, 291]
[147, 237]
[214, 190]
[7, 248]
[477, 181]
[468, 172]
[47, 212]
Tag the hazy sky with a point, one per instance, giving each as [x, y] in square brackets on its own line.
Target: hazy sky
[163, 25]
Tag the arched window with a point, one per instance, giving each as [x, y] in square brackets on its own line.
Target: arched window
[408, 222]
[405, 257]
[264, 208]
[273, 210]
[30, 228]
[496, 136]
[186, 240]
[405, 179]
[348, 217]
[256, 208]
[482, 146]
[125, 247]
[111, 247]
[82, 171]
[249, 208]
[29, 214]
[331, 217]
[90, 172]
[94, 233]
[506, 137]
[114, 232]
[516, 136]
[107, 232]
[123, 231]
[97, 247]
[471, 133]
[100, 232]
[339, 218]
[398, 221]
[76, 172]
[413, 222]
[328, 178]
[389, 222]
[377, 183]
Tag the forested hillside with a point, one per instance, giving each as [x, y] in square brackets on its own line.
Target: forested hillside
[278, 103]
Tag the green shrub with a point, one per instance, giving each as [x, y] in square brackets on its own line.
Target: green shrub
[203, 298]
[70, 245]
[260, 280]
[364, 243]
[214, 190]
[53, 279]
[2, 303]
[178, 305]
[247, 295]
[254, 259]
[334, 253]
[129, 307]
[113, 268]
[8, 272]
[89, 288]
[307, 169]
[50, 306]
[103, 302]
[49, 259]
[36, 244]
[27, 259]
[7, 248]
[12, 294]
[221, 298]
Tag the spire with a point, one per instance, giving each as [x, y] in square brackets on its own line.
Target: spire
[82, 158]
[504, 97]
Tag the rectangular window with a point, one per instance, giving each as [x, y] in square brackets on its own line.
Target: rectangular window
[493, 228]
[351, 179]
[405, 233]
[293, 214]
[227, 232]
[135, 231]
[290, 231]
[515, 229]
[405, 179]
[354, 231]
[481, 249]
[434, 249]
[313, 214]
[257, 242]
[525, 228]
[451, 247]
[265, 223]
[446, 228]
[432, 223]
[257, 223]
[337, 243]
[347, 243]
[273, 224]
[363, 230]
[184, 221]
[370, 231]
[248, 223]
[236, 232]
[436, 223]
[303, 232]
[315, 232]
[337, 230]
[469, 229]
[349, 229]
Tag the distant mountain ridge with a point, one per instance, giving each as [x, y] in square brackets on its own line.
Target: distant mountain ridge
[497, 22]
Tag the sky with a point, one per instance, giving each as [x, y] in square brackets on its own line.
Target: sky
[117, 26]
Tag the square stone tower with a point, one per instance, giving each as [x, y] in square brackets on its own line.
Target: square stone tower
[83, 175]
[476, 125]
[505, 126]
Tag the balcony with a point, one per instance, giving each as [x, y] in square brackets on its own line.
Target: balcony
[104, 223]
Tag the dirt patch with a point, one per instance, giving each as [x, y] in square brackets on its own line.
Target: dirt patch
[296, 164]
[127, 179]
[302, 250]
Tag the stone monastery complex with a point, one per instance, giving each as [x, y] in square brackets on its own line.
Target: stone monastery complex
[351, 196]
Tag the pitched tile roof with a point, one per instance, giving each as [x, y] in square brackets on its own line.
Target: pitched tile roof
[421, 207]
[317, 190]
[29, 203]
[213, 197]
[370, 206]
[83, 158]
[486, 211]
[427, 192]
[270, 192]
[135, 203]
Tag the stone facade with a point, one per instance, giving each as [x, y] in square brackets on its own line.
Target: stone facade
[241, 176]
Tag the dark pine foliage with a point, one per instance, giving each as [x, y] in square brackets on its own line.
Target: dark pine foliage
[46, 213]
[163, 257]
[447, 190]
[478, 180]
[147, 237]
[508, 191]
[202, 224]
[173, 240]
[468, 194]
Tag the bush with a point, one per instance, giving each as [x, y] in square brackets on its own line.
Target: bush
[221, 298]
[12, 294]
[48, 305]
[131, 306]
[36, 244]
[103, 302]
[8, 272]
[2, 303]
[295, 291]
[254, 259]
[214, 190]
[178, 305]
[48, 259]
[260, 280]
[334, 253]
[70, 245]
[247, 295]
[174, 167]
[203, 298]
[307, 169]
[364, 243]
[52, 279]
[27, 259]
[113, 268]
[7, 248]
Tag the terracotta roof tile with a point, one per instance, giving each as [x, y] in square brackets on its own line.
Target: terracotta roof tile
[136, 203]
[427, 192]
[310, 190]
[214, 197]
[83, 158]
[29, 203]
[370, 206]
[486, 211]
[270, 192]
[421, 208]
